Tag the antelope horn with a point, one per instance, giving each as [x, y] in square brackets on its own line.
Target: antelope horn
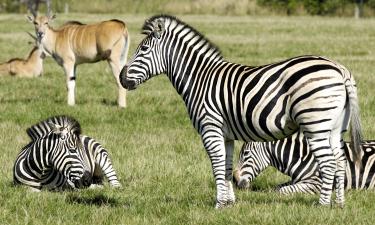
[32, 36]
[48, 3]
[31, 9]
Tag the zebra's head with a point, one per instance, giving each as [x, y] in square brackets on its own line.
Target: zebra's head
[253, 159]
[69, 156]
[147, 60]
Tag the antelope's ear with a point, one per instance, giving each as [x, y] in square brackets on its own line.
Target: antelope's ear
[52, 17]
[30, 18]
[158, 28]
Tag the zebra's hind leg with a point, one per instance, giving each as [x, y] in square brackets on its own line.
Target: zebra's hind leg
[339, 153]
[337, 144]
[300, 187]
[321, 148]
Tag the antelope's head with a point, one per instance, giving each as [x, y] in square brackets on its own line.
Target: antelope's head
[41, 25]
[147, 60]
[37, 51]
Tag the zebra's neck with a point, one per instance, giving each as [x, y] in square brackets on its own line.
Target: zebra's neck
[189, 59]
[259, 159]
[38, 161]
[191, 78]
[278, 158]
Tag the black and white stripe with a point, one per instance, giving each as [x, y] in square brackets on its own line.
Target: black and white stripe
[292, 157]
[227, 101]
[59, 157]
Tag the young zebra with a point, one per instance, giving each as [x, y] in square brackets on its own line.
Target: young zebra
[292, 157]
[228, 101]
[58, 153]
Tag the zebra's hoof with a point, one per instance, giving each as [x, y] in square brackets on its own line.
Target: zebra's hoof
[222, 205]
[319, 204]
[340, 204]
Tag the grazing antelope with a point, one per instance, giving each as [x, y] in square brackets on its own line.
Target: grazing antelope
[75, 43]
[30, 67]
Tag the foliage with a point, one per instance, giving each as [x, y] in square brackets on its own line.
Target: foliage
[222, 7]
[159, 157]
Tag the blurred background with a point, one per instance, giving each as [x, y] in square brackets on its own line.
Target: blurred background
[347, 8]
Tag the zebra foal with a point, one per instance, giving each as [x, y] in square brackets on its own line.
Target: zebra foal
[228, 101]
[292, 157]
[59, 157]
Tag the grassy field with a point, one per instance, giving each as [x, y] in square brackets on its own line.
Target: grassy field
[165, 172]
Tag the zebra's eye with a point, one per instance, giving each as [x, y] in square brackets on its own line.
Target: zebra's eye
[144, 48]
[73, 151]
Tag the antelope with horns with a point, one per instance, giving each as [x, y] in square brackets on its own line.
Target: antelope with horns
[75, 43]
[30, 67]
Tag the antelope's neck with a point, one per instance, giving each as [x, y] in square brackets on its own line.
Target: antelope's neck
[49, 41]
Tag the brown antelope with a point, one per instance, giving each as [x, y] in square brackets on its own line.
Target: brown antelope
[30, 67]
[75, 43]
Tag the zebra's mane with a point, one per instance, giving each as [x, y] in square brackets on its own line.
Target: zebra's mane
[148, 28]
[42, 128]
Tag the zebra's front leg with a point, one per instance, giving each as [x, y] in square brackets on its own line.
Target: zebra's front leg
[215, 147]
[69, 68]
[229, 148]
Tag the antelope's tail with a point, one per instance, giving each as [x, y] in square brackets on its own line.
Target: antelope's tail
[125, 51]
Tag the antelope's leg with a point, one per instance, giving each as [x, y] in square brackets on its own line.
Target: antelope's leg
[115, 66]
[69, 69]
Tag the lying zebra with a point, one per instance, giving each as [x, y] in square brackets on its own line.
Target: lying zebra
[292, 157]
[59, 157]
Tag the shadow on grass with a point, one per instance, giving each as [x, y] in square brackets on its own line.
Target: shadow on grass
[271, 196]
[18, 100]
[108, 102]
[97, 200]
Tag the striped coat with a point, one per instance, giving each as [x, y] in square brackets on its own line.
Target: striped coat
[228, 101]
[292, 157]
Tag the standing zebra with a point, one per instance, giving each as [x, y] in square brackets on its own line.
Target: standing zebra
[58, 154]
[292, 157]
[228, 101]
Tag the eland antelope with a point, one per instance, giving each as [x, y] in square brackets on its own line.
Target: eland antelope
[75, 43]
[32, 66]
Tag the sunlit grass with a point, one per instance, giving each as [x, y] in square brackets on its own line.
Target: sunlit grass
[165, 172]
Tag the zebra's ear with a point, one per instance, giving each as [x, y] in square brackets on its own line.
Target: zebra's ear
[56, 128]
[158, 28]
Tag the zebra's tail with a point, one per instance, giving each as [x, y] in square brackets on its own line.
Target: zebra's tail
[355, 121]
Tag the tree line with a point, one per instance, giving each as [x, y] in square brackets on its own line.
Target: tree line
[221, 7]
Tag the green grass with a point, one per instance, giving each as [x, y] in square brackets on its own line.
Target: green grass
[165, 172]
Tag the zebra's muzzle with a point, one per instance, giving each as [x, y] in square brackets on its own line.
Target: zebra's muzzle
[126, 83]
[85, 180]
